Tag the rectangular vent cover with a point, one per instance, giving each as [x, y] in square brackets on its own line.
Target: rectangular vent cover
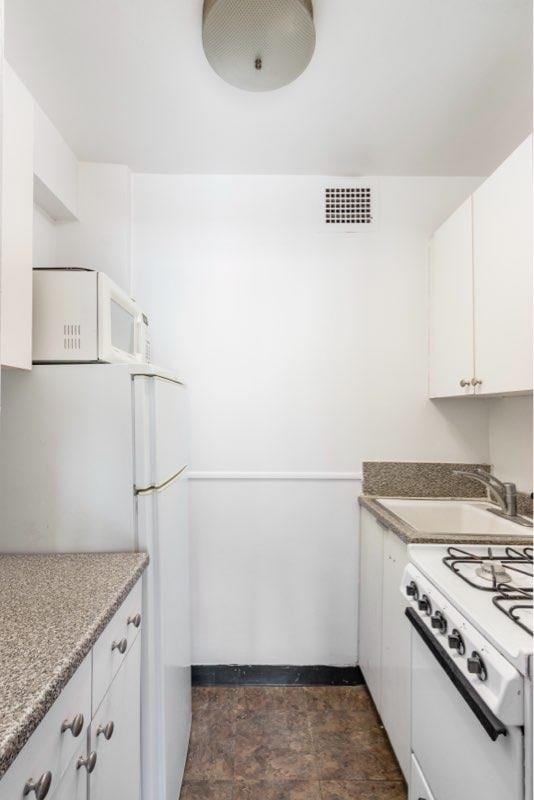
[348, 205]
[71, 337]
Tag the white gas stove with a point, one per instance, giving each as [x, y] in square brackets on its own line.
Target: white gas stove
[470, 609]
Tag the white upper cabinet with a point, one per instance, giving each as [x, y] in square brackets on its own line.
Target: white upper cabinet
[481, 288]
[17, 224]
[502, 233]
[451, 303]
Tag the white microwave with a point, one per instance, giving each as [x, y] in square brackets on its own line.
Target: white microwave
[80, 315]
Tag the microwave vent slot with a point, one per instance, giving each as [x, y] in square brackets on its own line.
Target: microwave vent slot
[72, 337]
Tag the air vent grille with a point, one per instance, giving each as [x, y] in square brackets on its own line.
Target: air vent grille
[72, 337]
[348, 205]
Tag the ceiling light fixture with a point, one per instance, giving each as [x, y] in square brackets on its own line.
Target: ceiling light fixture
[258, 45]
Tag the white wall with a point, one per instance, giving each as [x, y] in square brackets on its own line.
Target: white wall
[55, 169]
[510, 440]
[44, 239]
[305, 353]
[101, 237]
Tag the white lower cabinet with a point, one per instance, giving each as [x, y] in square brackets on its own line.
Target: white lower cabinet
[370, 613]
[384, 634]
[50, 749]
[74, 784]
[76, 755]
[419, 789]
[396, 677]
[114, 735]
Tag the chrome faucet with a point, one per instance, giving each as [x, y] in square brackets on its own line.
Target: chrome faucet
[505, 494]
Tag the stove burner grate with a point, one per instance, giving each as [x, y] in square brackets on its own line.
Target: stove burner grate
[514, 560]
[522, 600]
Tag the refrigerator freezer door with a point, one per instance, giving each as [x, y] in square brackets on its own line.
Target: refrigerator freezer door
[161, 433]
[166, 670]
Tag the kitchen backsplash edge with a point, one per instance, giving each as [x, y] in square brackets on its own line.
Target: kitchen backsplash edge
[427, 479]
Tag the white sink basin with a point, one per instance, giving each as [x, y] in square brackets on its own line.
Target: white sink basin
[452, 516]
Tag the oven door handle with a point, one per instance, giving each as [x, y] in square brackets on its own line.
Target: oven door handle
[491, 724]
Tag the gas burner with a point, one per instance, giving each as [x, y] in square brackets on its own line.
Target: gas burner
[489, 572]
[493, 571]
[517, 604]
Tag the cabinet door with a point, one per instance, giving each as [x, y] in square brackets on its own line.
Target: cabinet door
[502, 218]
[451, 306]
[73, 785]
[396, 679]
[419, 788]
[370, 613]
[117, 774]
[17, 223]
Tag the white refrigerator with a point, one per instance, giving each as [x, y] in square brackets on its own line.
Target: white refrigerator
[93, 457]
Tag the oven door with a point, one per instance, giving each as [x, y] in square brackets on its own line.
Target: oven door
[463, 751]
[120, 325]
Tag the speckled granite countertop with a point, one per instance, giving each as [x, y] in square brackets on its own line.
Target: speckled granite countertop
[52, 611]
[412, 536]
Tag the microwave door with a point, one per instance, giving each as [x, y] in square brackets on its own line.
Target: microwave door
[117, 323]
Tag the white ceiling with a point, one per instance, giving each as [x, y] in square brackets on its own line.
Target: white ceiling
[413, 87]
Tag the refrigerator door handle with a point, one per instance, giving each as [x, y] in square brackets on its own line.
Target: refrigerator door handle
[160, 486]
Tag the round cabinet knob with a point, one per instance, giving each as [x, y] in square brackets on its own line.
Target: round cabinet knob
[134, 620]
[106, 730]
[476, 666]
[464, 383]
[456, 642]
[40, 787]
[439, 622]
[475, 382]
[120, 646]
[75, 725]
[412, 590]
[425, 605]
[89, 763]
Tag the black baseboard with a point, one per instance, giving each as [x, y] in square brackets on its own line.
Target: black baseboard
[266, 675]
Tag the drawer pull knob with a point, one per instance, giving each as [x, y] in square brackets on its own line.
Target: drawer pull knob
[107, 730]
[121, 646]
[75, 726]
[40, 787]
[135, 620]
[89, 763]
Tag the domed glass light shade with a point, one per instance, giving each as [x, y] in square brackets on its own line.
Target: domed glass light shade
[258, 45]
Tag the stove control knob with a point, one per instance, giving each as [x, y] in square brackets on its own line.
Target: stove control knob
[412, 590]
[476, 666]
[456, 642]
[425, 605]
[439, 622]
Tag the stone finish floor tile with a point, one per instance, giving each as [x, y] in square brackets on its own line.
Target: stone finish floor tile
[344, 759]
[211, 751]
[356, 790]
[275, 698]
[278, 790]
[289, 743]
[338, 698]
[207, 790]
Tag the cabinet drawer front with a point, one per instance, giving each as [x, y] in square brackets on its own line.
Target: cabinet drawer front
[73, 785]
[115, 734]
[48, 749]
[107, 658]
